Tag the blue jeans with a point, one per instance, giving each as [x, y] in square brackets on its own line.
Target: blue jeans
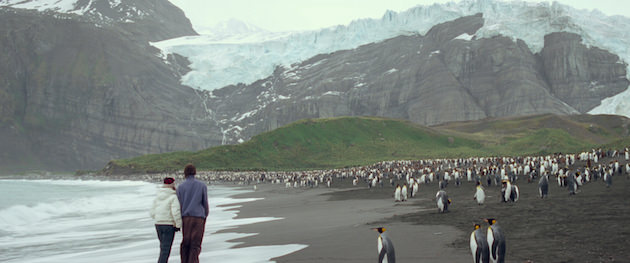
[166, 234]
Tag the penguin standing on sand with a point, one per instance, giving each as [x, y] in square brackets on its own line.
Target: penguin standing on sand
[543, 186]
[479, 246]
[480, 195]
[510, 192]
[496, 241]
[442, 201]
[385, 246]
[397, 194]
[572, 184]
[608, 178]
[403, 192]
[414, 188]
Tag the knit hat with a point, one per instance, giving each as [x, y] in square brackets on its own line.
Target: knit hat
[169, 180]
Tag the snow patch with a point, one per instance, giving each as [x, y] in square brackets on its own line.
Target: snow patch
[618, 104]
[61, 6]
[332, 93]
[465, 37]
[114, 3]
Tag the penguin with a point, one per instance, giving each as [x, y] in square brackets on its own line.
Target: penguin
[403, 192]
[543, 186]
[515, 194]
[608, 179]
[442, 201]
[572, 184]
[480, 195]
[414, 189]
[496, 241]
[397, 194]
[385, 247]
[510, 192]
[479, 246]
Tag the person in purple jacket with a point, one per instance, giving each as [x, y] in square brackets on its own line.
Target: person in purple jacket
[193, 198]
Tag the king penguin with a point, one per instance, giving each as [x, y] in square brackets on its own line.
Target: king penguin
[479, 246]
[386, 252]
[442, 201]
[480, 195]
[496, 241]
[543, 186]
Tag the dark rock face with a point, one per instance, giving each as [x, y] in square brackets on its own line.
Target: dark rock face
[441, 77]
[75, 96]
[581, 76]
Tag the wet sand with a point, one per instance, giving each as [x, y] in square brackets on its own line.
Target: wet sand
[592, 226]
[335, 224]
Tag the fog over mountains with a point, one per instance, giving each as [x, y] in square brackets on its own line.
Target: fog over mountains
[84, 83]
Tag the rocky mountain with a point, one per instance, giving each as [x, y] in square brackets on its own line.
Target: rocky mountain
[444, 76]
[81, 85]
[76, 92]
[246, 58]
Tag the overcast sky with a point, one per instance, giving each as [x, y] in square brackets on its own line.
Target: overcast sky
[289, 15]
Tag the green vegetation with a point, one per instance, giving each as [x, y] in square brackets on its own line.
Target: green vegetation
[352, 141]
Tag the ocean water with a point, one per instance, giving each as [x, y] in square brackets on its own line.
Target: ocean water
[108, 221]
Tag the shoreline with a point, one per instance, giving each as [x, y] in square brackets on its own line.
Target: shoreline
[340, 230]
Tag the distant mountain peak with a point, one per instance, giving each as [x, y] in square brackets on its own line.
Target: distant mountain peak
[151, 20]
[109, 10]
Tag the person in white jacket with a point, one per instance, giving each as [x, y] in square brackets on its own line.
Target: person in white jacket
[166, 213]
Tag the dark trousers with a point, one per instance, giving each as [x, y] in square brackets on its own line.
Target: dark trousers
[166, 234]
[192, 231]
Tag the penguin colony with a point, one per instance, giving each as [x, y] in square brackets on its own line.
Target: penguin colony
[488, 172]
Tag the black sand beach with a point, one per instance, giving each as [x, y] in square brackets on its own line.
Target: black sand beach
[592, 226]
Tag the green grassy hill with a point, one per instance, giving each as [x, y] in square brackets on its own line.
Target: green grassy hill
[351, 141]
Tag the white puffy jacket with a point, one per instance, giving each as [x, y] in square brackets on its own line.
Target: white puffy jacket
[165, 209]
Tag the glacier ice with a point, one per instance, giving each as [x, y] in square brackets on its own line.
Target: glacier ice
[245, 58]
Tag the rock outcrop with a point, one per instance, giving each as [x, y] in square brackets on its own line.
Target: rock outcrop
[580, 75]
[447, 75]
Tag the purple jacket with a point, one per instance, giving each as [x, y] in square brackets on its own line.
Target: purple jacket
[193, 198]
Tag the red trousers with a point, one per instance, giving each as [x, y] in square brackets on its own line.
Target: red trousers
[192, 232]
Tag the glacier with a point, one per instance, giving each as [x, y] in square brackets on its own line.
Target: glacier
[219, 60]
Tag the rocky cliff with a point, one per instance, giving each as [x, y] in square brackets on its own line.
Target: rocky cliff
[581, 75]
[446, 75]
[75, 94]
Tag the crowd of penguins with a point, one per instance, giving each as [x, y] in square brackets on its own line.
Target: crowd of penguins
[486, 245]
